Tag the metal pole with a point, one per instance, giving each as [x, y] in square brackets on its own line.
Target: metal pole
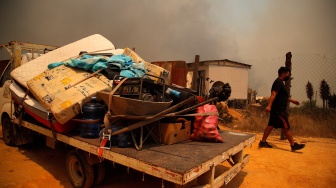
[195, 73]
[288, 65]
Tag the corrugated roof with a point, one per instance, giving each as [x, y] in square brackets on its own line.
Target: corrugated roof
[221, 62]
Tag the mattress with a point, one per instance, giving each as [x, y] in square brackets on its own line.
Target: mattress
[91, 44]
[32, 107]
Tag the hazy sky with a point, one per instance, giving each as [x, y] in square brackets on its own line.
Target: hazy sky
[248, 31]
[178, 29]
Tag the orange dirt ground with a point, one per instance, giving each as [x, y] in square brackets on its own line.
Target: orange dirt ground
[39, 166]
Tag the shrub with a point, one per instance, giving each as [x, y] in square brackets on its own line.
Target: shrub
[306, 120]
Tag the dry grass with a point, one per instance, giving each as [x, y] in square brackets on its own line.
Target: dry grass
[318, 123]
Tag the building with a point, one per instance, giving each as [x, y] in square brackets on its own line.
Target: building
[227, 71]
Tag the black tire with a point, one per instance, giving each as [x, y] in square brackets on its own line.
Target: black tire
[7, 131]
[79, 172]
[15, 135]
[99, 173]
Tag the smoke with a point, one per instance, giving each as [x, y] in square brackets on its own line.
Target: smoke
[178, 30]
[297, 26]
[159, 30]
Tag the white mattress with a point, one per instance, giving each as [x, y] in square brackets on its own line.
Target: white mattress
[28, 100]
[93, 43]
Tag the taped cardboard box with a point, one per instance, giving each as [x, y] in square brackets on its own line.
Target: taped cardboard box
[151, 69]
[171, 133]
[103, 78]
[134, 56]
[68, 104]
[158, 71]
[52, 82]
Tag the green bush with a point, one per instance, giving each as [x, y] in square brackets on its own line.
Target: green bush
[307, 120]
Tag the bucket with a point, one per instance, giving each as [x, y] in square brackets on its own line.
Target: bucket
[124, 139]
[92, 111]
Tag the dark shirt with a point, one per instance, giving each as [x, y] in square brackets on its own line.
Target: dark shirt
[280, 102]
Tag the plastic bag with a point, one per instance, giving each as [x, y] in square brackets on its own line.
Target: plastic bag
[205, 127]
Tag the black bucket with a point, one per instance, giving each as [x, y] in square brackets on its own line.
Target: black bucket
[92, 111]
[124, 139]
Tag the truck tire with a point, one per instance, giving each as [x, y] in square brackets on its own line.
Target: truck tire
[7, 131]
[99, 173]
[79, 171]
[15, 135]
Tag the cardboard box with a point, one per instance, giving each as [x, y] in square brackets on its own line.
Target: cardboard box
[157, 71]
[171, 133]
[52, 82]
[68, 104]
[134, 56]
[151, 69]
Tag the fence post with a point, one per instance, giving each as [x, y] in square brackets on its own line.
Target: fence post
[194, 84]
[288, 65]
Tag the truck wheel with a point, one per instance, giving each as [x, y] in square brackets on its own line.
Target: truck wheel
[99, 173]
[7, 131]
[80, 173]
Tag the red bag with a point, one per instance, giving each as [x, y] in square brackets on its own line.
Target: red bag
[205, 127]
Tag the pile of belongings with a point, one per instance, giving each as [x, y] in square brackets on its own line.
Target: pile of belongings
[54, 87]
[61, 81]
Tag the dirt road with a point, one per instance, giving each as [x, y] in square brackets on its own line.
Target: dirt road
[39, 166]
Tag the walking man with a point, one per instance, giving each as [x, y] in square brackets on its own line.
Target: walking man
[277, 107]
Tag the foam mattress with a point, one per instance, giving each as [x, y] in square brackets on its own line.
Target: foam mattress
[37, 111]
[91, 44]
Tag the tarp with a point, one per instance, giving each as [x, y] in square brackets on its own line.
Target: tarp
[87, 62]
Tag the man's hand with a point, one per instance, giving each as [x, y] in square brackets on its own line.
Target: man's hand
[268, 109]
[295, 102]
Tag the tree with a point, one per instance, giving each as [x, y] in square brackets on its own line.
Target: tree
[324, 92]
[332, 101]
[310, 92]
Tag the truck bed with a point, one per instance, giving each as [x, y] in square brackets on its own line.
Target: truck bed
[180, 157]
[179, 163]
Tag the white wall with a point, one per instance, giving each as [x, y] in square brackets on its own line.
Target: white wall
[236, 77]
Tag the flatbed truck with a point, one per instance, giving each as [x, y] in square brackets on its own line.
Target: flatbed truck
[186, 164]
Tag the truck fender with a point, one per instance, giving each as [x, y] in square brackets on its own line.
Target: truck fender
[6, 109]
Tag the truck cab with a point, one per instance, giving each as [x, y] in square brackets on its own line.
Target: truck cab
[5, 81]
[19, 53]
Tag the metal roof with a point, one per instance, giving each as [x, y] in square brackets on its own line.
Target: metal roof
[222, 62]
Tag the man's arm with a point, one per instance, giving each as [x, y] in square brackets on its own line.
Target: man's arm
[294, 101]
[270, 102]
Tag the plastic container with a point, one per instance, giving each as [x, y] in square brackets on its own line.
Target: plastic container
[173, 92]
[124, 139]
[92, 111]
[121, 140]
